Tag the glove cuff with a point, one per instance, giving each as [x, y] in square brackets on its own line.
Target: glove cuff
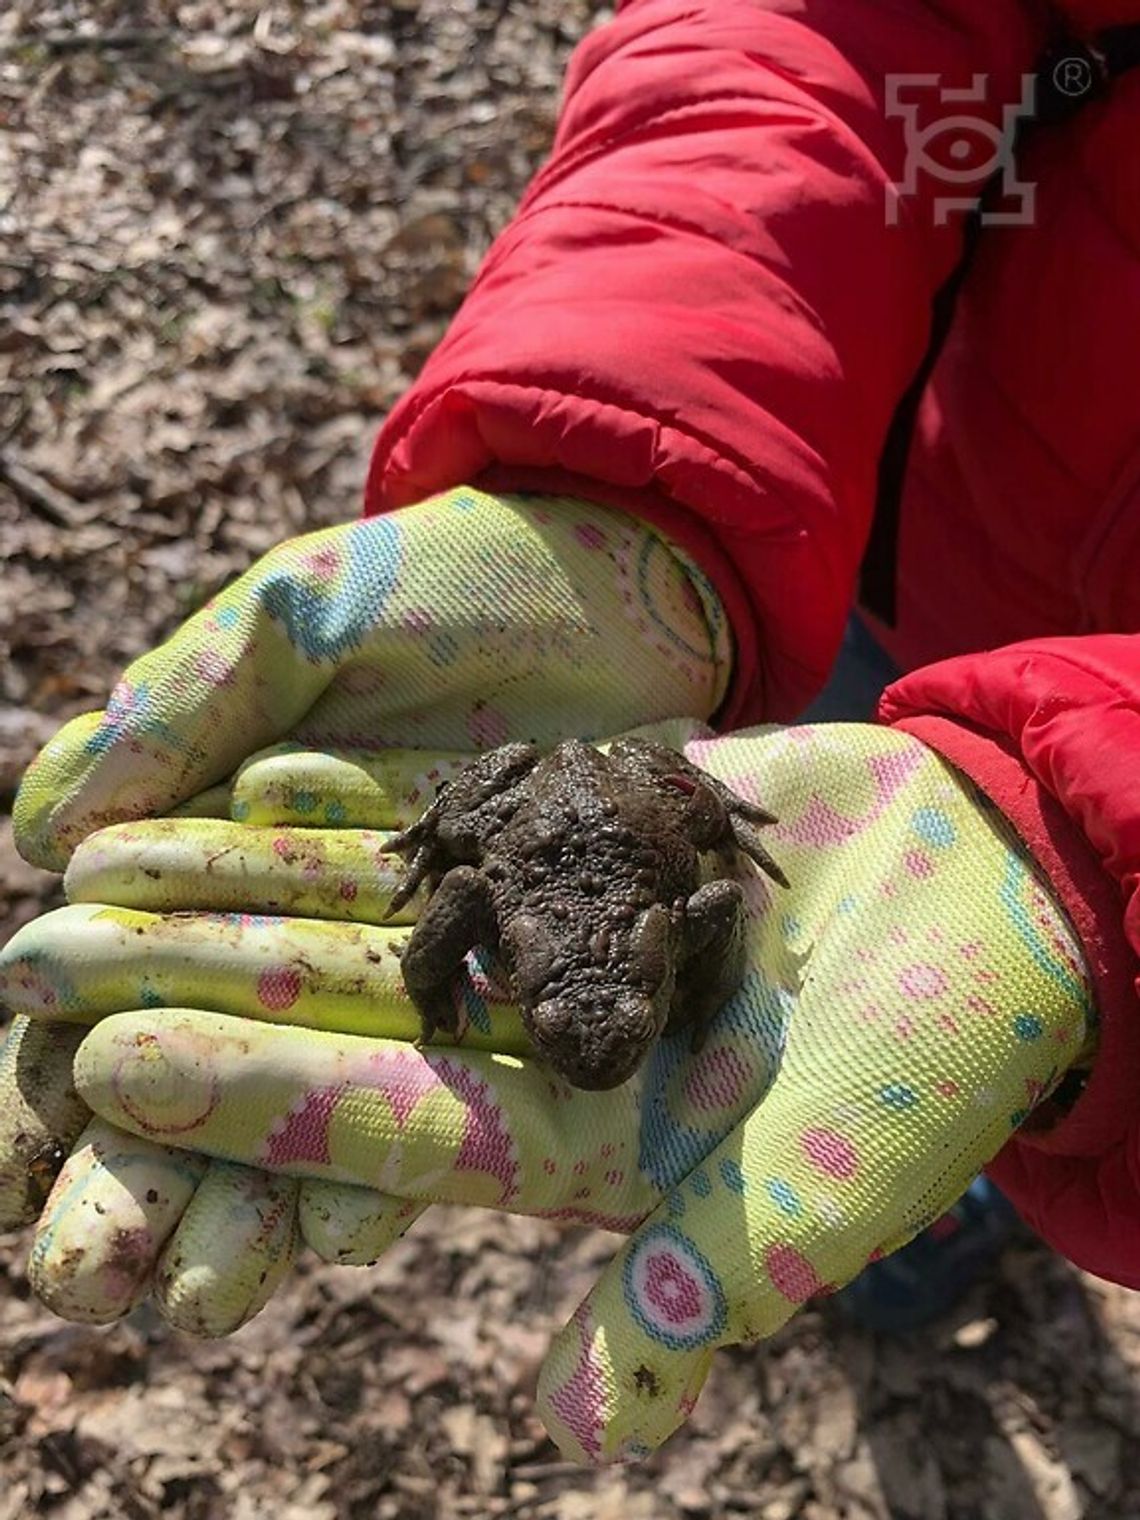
[713, 575]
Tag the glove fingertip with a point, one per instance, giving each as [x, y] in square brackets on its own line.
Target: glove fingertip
[230, 1251]
[605, 1395]
[43, 832]
[352, 1226]
[114, 1204]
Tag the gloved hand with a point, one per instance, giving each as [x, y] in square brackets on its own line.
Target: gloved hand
[909, 1001]
[459, 622]
[212, 1240]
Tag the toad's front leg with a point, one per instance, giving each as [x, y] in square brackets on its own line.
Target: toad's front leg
[458, 917]
[466, 813]
[713, 956]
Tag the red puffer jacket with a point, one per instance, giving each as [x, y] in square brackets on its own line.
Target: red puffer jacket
[704, 313]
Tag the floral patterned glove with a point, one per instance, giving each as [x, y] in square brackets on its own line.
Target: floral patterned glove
[464, 621]
[459, 623]
[909, 1001]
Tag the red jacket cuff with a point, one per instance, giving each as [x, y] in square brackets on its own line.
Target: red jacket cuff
[1109, 1107]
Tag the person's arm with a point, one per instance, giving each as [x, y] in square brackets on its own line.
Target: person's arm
[1050, 731]
[701, 312]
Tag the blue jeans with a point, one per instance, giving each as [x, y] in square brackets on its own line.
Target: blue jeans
[857, 679]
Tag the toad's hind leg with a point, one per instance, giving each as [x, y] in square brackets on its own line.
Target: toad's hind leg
[458, 917]
[716, 817]
[713, 954]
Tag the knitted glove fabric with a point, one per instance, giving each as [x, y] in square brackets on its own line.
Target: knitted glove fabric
[464, 621]
[908, 1003]
[461, 622]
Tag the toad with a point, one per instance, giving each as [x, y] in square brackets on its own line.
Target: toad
[583, 871]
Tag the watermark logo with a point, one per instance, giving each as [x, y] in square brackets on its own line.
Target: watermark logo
[1074, 76]
[960, 148]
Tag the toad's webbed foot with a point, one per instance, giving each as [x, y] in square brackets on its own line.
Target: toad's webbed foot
[466, 813]
[716, 816]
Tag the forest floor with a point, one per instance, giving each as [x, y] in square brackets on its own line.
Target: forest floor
[229, 236]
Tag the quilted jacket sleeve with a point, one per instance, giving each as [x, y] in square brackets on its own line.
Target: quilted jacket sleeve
[1050, 730]
[702, 311]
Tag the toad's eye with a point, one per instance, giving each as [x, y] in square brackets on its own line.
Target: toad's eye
[680, 783]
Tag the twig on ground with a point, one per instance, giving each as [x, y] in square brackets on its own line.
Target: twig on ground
[75, 42]
[39, 494]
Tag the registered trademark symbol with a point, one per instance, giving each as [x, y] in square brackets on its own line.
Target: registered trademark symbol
[1073, 75]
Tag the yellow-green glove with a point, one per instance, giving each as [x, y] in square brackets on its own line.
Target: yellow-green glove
[212, 1241]
[909, 1001]
[463, 621]
[459, 623]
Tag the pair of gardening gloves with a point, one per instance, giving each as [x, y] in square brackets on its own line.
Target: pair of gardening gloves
[223, 991]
